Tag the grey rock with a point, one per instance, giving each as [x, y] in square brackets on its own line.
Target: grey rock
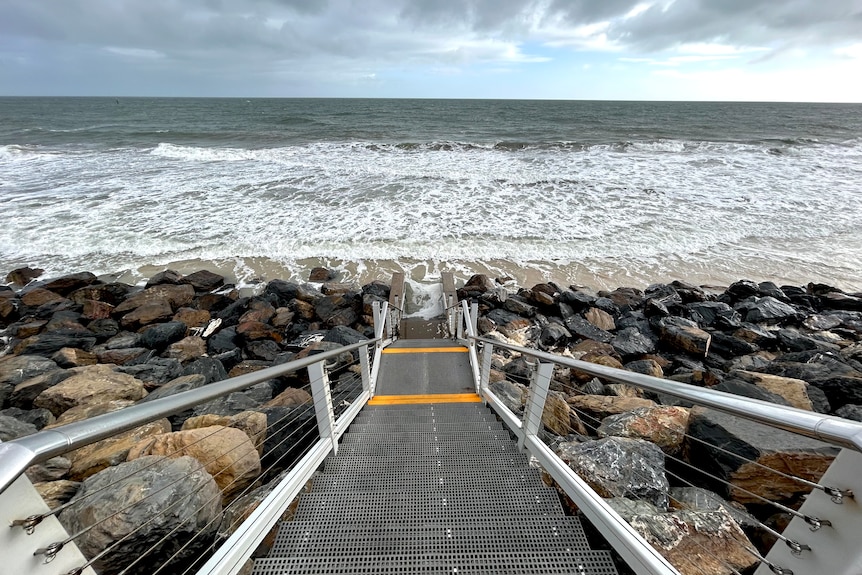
[51, 470]
[629, 508]
[155, 372]
[730, 346]
[344, 335]
[223, 341]
[148, 507]
[684, 335]
[699, 499]
[264, 349]
[554, 335]
[290, 431]
[502, 316]
[745, 389]
[620, 467]
[766, 310]
[792, 340]
[211, 368]
[231, 404]
[17, 368]
[27, 391]
[519, 306]
[203, 280]
[40, 417]
[48, 343]
[11, 428]
[742, 289]
[850, 411]
[162, 335]
[513, 395]
[104, 329]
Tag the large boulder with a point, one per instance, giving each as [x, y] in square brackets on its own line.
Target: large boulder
[797, 392]
[664, 426]
[618, 466]
[147, 509]
[91, 459]
[252, 423]
[559, 418]
[601, 406]
[684, 335]
[226, 453]
[736, 450]
[91, 384]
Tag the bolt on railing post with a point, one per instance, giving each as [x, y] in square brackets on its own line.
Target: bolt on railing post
[364, 369]
[538, 393]
[323, 403]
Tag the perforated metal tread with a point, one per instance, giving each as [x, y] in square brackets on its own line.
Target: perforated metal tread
[400, 497]
[522, 534]
[535, 562]
[429, 480]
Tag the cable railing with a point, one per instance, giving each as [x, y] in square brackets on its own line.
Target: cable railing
[298, 438]
[834, 488]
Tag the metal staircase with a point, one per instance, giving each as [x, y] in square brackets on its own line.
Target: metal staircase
[431, 488]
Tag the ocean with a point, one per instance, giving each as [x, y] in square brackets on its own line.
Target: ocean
[600, 194]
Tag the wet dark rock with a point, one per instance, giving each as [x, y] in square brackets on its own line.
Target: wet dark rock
[654, 307]
[631, 341]
[230, 315]
[67, 284]
[769, 289]
[767, 310]
[708, 313]
[123, 356]
[757, 335]
[223, 341]
[344, 335]
[203, 280]
[688, 292]
[741, 290]
[646, 367]
[619, 467]
[834, 300]
[66, 319]
[104, 329]
[554, 335]
[48, 343]
[160, 336]
[578, 325]
[502, 317]
[729, 346]
[110, 293]
[577, 300]
[165, 277]
[518, 305]
[232, 404]
[213, 302]
[264, 349]
[819, 322]
[25, 392]
[151, 506]
[625, 298]
[283, 290]
[211, 368]
[520, 369]
[377, 288]
[320, 274]
[792, 340]
[684, 335]
[308, 293]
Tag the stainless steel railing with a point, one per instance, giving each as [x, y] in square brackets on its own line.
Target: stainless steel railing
[640, 556]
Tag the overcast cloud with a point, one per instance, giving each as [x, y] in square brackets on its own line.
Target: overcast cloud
[683, 49]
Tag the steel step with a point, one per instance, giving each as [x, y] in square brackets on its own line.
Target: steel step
[475, 562]
[310, 539]
[431, 425]
[431, 479]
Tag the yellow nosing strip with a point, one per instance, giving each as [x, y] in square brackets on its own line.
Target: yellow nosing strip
[458, 349]
[428, 398]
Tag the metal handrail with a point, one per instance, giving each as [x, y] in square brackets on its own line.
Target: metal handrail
[19, 454]
[831, 429]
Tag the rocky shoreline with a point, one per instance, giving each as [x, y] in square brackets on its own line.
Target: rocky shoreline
[76, 347]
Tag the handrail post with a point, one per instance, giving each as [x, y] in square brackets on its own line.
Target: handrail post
[539, 386]
[474, 318]
[459, 323]
[323, 403]
[364, 369]
[375, 312]
[487, 358]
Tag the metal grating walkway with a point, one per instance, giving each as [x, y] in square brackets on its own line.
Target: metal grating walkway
[434, 488]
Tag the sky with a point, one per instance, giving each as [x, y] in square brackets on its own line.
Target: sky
[750, 50]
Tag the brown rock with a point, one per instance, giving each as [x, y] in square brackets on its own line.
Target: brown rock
[795, 391]
[88, 410]
[290, 397]
[303, 309]
[602, 359]
[320, 274]
[56, 493]
[590, 346]
[245, 367]
[120, 356]
[91, 384]
[226, 453]
[623, 390]
[259, 315]
[684, 335]
[192, 317]
[91, 459]
[93, 309]
[697, 543]
[559, 418]
[601, 406]
[29, 329]
[69, 283]
[177, 296]
[600, 318]
[23, 276]
[663, 425]
[187, 349]
[254, 330]
[335, 288]
[646, 367]
[40, 296]
[252, 423]
[283, 317]
[73, 357]
[155, 311]
[509, 329]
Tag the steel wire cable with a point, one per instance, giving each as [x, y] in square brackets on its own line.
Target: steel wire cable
[708, 552]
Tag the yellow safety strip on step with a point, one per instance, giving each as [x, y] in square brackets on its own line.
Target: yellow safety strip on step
[457, 349]
[427, 398]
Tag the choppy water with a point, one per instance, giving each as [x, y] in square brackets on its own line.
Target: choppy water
[595, 193]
